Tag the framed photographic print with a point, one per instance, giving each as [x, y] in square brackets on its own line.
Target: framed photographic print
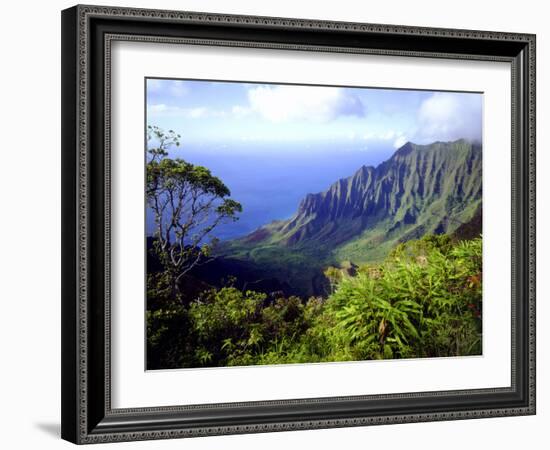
[281, 224]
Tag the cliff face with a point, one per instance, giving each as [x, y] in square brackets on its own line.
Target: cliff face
[421, 188]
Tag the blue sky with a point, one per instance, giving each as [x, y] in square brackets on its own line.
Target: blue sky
[207, 112]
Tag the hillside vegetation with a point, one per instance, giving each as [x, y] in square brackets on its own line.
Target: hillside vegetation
[423, 300]
[384, 264]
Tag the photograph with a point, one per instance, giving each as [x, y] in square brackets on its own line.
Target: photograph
[279, 220]
[296, 223]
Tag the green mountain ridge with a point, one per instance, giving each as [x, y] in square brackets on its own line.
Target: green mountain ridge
[421, 189]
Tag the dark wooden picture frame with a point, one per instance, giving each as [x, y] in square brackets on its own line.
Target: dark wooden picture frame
[87, 415]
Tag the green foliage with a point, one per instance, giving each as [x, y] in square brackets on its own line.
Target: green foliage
[168, 343]
[424, 300]
[415, 294]
[234, 328]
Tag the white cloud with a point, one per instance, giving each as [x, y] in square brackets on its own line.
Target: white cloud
[202, 112]
[240, 111]
[382, 135]
[388, 135]
[178, 88]
[449, 116]
[400, 141]
[174, 88]
[443, 116]
[197, 113]
[398, 138]
[311, 103]
[158, 108]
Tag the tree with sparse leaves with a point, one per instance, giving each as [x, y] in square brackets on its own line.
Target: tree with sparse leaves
[187, 202]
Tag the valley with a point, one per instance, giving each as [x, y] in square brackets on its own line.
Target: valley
[420, 190]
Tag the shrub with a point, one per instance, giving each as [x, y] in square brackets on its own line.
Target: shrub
[424, 300]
